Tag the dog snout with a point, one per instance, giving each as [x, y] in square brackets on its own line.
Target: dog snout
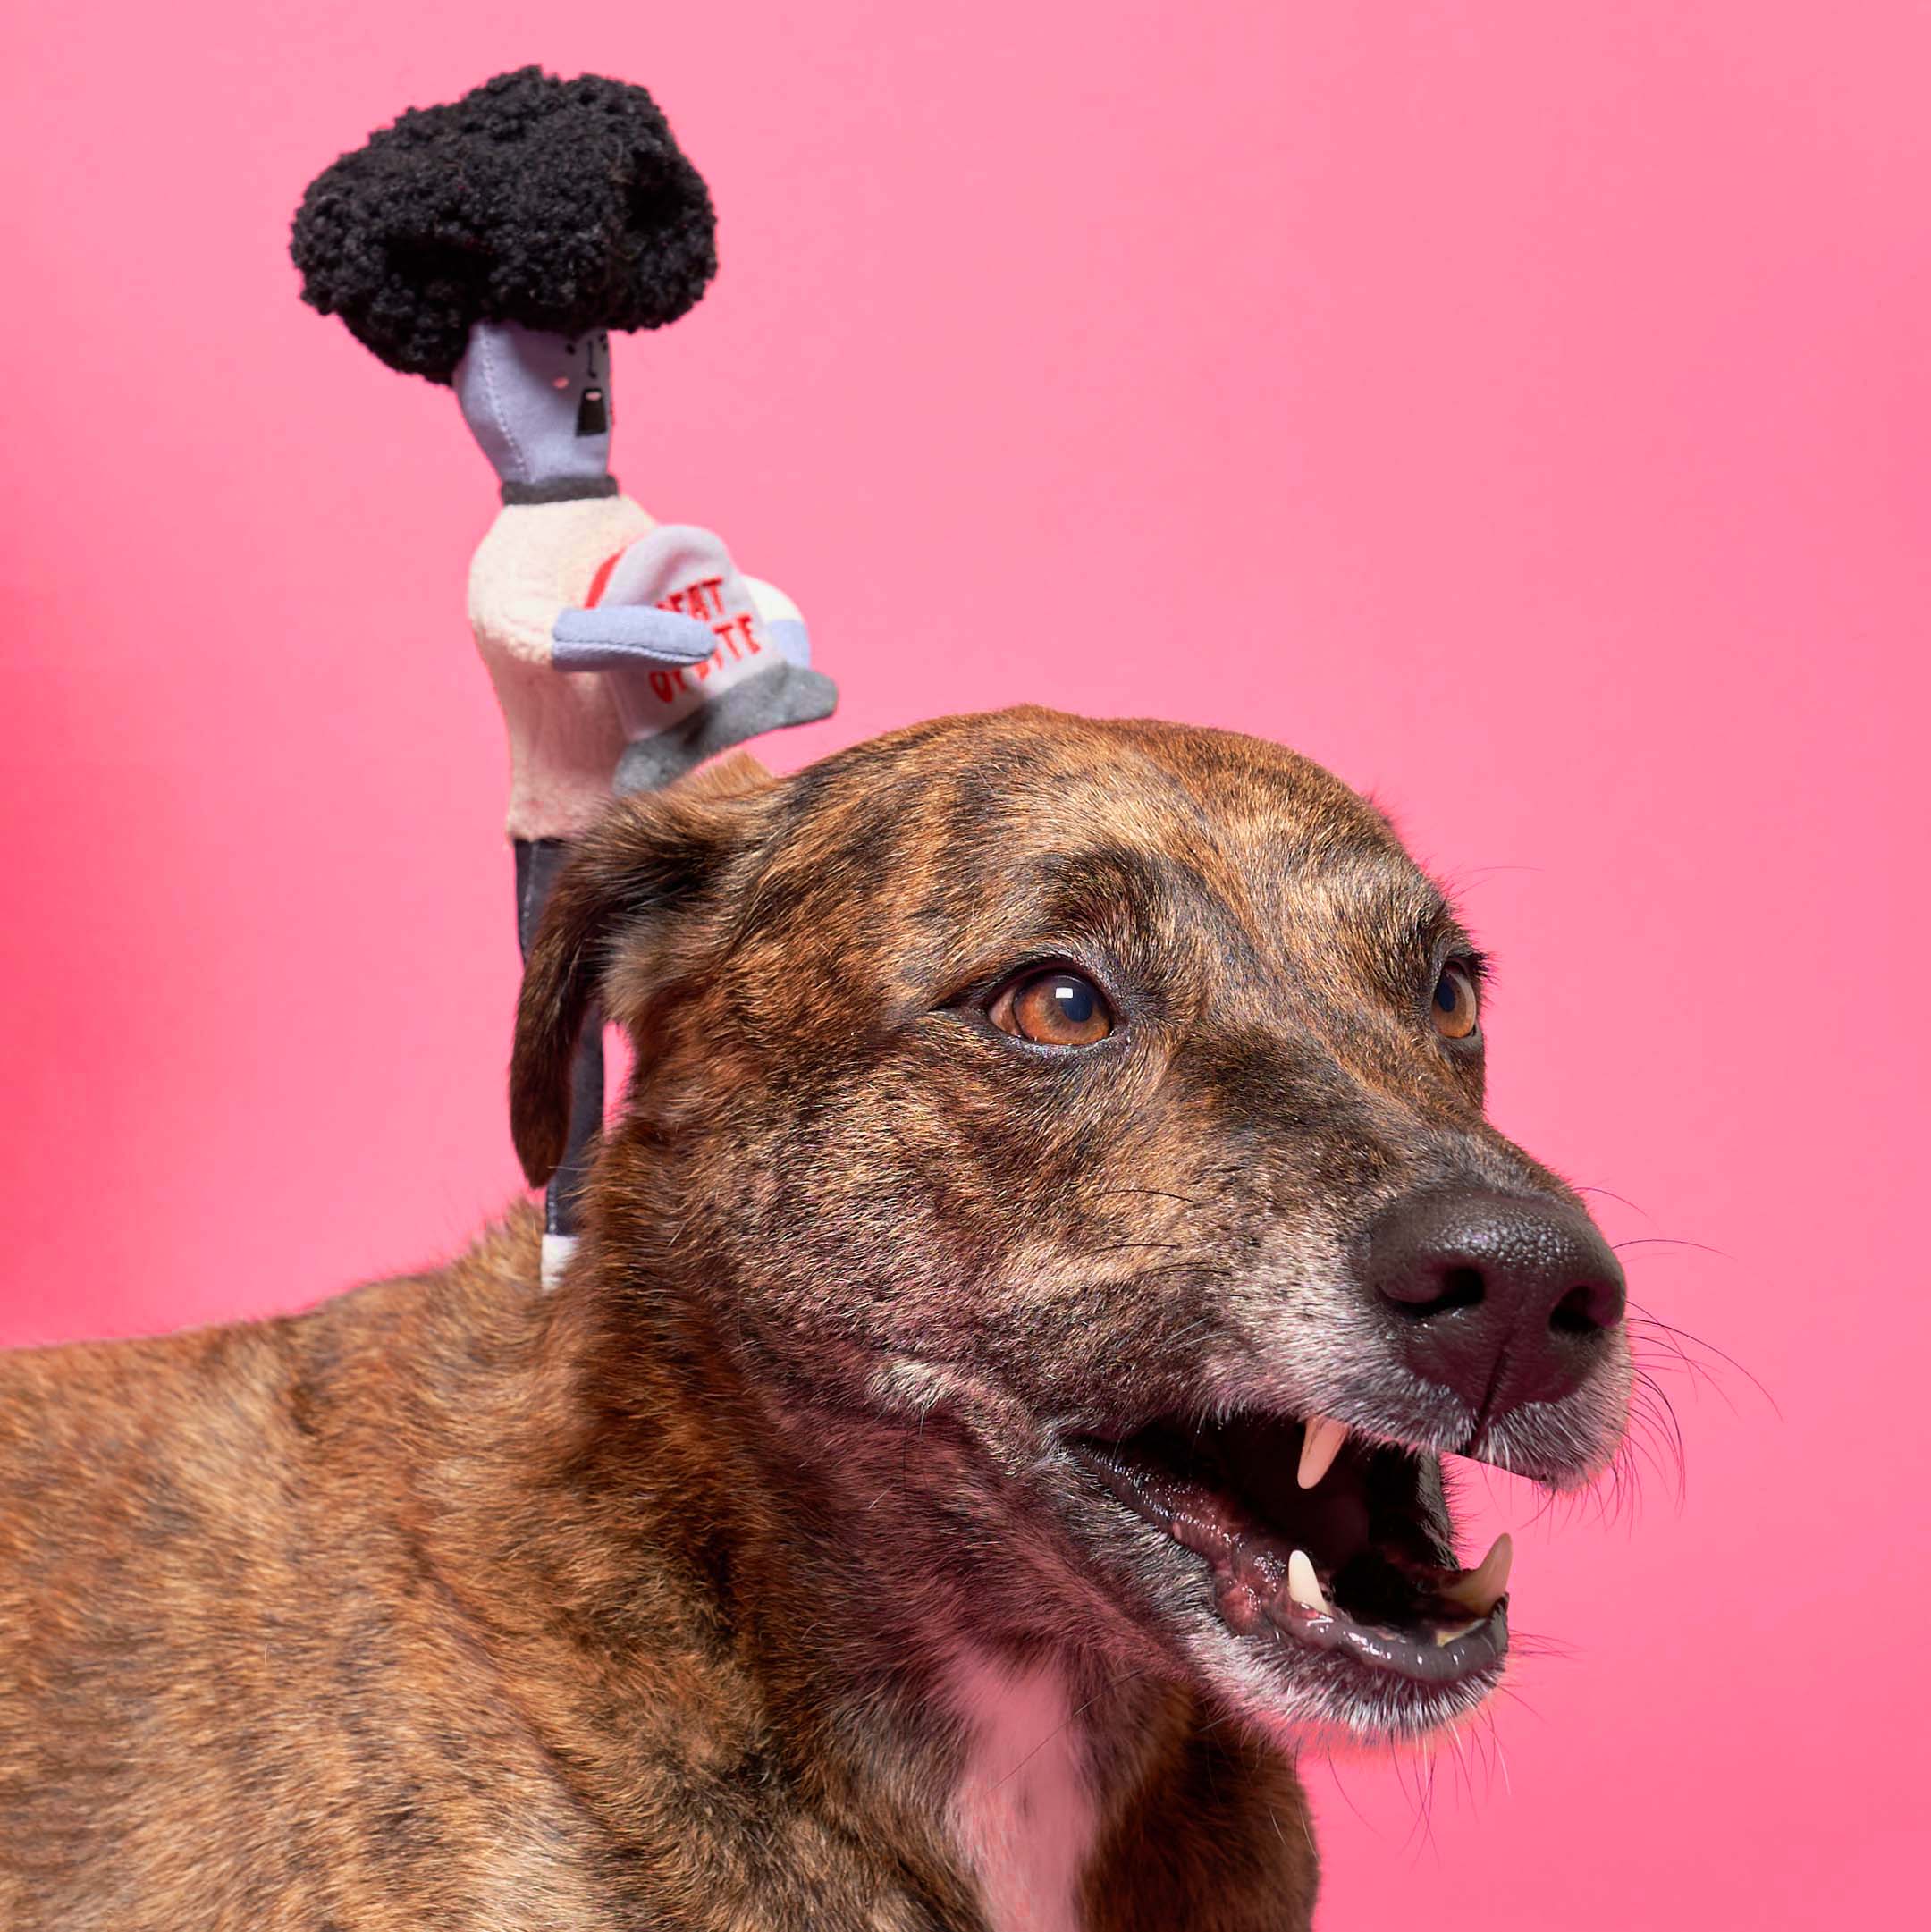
[1503, 1301]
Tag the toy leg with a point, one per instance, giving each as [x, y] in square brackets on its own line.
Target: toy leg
[537, 862]
[786, 692]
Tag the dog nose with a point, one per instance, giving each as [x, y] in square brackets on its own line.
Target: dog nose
[1503, 1300]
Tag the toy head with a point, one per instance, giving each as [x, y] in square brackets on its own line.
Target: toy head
[540, 406]
[562, 208]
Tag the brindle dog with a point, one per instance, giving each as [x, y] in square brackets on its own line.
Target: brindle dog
[1051, 1238]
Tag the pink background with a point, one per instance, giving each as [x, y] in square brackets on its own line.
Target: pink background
[1522, 408]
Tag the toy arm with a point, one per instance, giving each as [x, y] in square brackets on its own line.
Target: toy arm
[537, 629]
[610, 637]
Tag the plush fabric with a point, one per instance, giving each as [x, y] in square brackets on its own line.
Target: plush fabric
[560, 490]
[682, 568]
[568, 602]
[566, 206]
[778, 692]
[539, 861]
[537, 560]
[540, 406]
[675, 717]
[623, 636]
[783, 620]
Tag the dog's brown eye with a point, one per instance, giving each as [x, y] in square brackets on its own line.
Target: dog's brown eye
[1053, 1008]
[1455, 1009]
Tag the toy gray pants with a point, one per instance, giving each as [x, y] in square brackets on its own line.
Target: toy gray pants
[538, 861]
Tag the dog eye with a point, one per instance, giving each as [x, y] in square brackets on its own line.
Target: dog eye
[1053, 1008]
[1455, 1009]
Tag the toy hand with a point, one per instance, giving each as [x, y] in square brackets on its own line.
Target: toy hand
[613, 635]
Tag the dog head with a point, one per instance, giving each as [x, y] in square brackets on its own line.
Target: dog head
[1101, 1106]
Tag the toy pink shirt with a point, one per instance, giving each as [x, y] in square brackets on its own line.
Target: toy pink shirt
[537, 560]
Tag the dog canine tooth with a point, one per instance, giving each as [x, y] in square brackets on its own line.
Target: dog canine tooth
[1319, 1447]
[1480, 1590]
[1303, 1586]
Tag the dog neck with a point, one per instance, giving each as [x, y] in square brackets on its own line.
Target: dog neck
[1022, 1812]
[726, 1577]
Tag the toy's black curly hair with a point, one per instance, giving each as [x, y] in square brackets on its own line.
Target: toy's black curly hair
[562, 205]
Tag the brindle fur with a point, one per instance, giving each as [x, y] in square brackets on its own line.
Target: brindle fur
[452, 1604]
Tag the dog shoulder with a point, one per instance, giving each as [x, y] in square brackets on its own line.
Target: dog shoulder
[93, 1414]
[197, 1462]
[218, 1601]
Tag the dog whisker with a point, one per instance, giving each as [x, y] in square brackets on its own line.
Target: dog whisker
[1682, 1342]
[1157, 1194]
[1609, 1193]
[1671, 1241]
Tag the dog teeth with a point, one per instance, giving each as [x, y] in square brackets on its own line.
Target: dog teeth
[1480, 1590]
[1444, 1638]
[1303, 1586]
[1319, 1445]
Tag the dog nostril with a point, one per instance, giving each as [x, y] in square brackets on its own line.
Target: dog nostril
[1503, 1300]
[1587, 1309]
[1458, 1286]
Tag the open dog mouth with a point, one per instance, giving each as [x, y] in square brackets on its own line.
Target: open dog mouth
[1319, 1540]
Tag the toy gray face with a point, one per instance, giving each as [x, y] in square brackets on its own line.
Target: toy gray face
[539, 404]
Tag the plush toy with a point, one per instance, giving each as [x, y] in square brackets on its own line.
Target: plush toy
[491, 245]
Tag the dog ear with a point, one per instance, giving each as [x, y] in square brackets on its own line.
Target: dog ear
[652, 862]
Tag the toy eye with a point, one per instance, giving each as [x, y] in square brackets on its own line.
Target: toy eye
[1453, 1006]
[1056, 1008]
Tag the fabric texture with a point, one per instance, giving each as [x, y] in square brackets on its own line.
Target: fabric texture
[778, 694]
[566, 206]
[536, 561]
[539, 404]
[783, 618]
[674, 718]
[538, 861]
[555, 588]
[620, 636]
[563, 490]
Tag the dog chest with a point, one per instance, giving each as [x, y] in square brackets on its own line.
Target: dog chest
[1022, 1812]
